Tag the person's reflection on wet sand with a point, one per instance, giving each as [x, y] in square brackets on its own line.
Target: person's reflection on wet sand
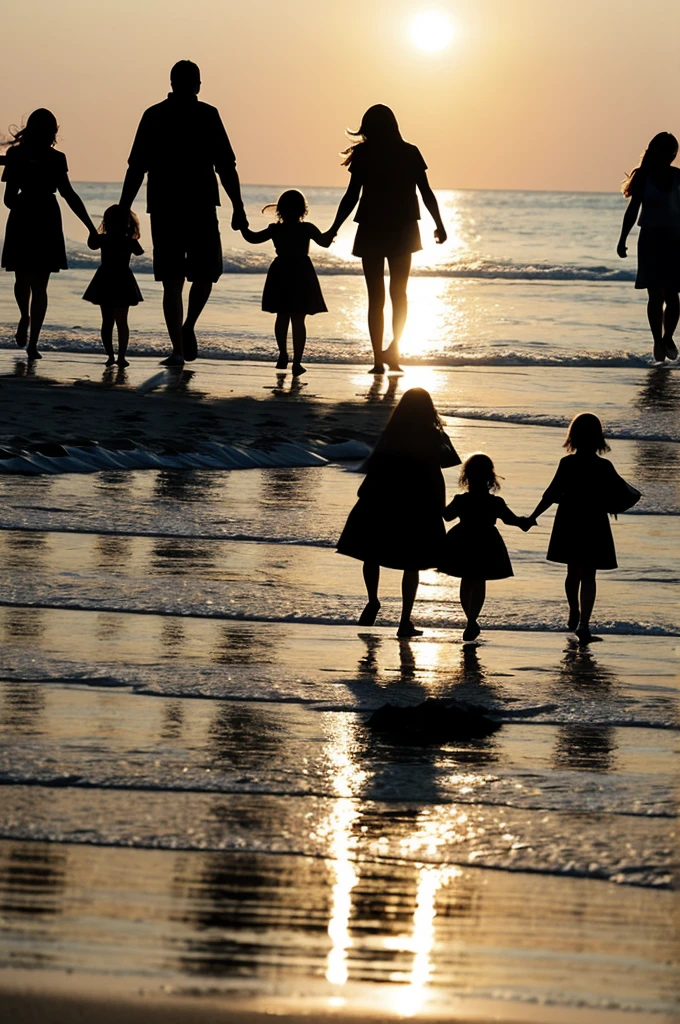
[375, 393]
[584, 745]
[33, 879]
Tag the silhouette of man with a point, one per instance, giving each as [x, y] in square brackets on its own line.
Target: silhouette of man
[181, 143]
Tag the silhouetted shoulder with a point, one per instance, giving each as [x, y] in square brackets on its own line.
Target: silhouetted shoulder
[43, 171]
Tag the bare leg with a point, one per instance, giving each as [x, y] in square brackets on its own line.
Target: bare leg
[121, 316]
[400, 268]
[374, 273]
[670, 322]
[199, 293]
[299, 339]
[281, 334]
[371, 579]
[572, 585]
[173, 311]
[37, 311]
[22, 293]
[107, 333]
[409, 589]
[472, 597]
[655, 317]
[588, 593]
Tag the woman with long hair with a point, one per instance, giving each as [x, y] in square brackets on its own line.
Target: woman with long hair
[34, 238]
[397, 521]
[653, 189]
[385, 173]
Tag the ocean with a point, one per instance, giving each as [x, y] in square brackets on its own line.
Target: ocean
[191, 794]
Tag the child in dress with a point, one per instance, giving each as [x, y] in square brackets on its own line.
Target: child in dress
[292, 289]
[397, 521]
[585, 487]
[474, 549]
[113, 287]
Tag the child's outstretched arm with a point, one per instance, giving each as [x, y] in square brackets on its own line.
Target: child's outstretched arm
[508, 517]
[255, 237]
[322, 238]
[451, 512]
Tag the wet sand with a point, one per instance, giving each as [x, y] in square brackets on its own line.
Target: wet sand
[197, 823]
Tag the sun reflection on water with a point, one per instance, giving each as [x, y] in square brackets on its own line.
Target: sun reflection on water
[347, 781]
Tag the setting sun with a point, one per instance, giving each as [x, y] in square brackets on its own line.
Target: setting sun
[431, 31]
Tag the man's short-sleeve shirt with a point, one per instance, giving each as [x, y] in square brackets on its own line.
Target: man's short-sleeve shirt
[180, 143]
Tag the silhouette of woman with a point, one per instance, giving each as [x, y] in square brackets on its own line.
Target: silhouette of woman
[34, 239]
[292, 289]
[385, 171]
[474, 549]
[585, 487]
[653, 189]
[397, 521]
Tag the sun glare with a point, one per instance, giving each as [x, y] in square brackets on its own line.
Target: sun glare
[431, 31]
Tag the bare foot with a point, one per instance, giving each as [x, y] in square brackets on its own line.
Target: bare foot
[282, 362]
[122, 361]
[391, 357]
[22, 332]
[377, 368]
[573, 620]
[670, 347]
[369, 614]
[173, 360]
[110, 361]
[298, 369]
[33, 353]
[472, 631]
[407, 629]
[659, 352]
[189, 343]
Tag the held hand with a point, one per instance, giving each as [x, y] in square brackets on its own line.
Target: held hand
[527, 523]
[239, 220]
[622, 249]
[93, 239]
[327, 238]
[440, 234]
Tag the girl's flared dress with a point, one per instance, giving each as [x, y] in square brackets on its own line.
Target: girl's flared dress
[34, 236]
[397, 521]
[474, 549]
[292, 285]
[114, 283]
[583, 487]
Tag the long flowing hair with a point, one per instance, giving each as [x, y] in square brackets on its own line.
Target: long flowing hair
[660, 153]
[414, 428]
[379, 128]
[586, 435]
[40, 130]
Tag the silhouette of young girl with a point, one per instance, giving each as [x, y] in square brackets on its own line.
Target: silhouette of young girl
[653, 189]
[585, 488]
[113, 286]
[474, 549]
[397, 521]
[385, 171]
[34, 239]
[292, 289]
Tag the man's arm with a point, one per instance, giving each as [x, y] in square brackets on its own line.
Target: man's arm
[138, 164]
[225, 165]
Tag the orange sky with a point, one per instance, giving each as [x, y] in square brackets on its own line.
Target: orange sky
[531, 94]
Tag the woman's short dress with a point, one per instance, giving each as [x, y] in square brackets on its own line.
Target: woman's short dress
[34, 236]
[659, 239]
[388, 211]
[292, 285]
[114, 283]
[584, 487]
[474, 549]
[397, 521]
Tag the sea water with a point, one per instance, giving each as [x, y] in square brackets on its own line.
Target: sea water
[180, 665]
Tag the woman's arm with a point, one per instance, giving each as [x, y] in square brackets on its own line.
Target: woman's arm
[255, 237]
[346, 205]
[69, 194]
[11, 192]
[431, 205]
[629, 218]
